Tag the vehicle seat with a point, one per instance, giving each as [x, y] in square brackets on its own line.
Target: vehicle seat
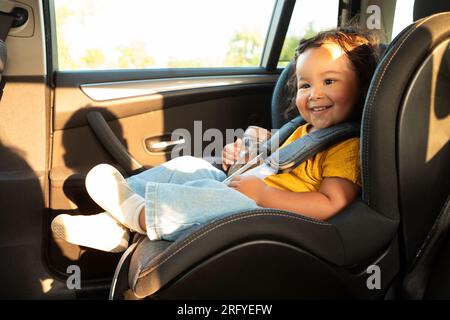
[426, 256]
[276, 254]
[415, 136]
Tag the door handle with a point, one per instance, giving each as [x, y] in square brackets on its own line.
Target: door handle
[162, 143]
[166, 144]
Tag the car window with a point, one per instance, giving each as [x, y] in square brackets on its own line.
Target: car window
[403, 16]
[309, 17]
[137, 34]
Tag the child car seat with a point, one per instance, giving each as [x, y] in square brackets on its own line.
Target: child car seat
[277, 254]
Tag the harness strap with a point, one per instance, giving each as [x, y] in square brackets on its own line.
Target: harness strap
[281, 135]
[290, 156]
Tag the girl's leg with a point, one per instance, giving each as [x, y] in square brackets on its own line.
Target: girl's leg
[178, 170]
[172, 209]
[124, 198]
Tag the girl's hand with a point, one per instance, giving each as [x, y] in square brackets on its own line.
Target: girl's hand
[250, 186]
[230, 154]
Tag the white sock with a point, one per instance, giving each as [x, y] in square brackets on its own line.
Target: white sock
[109, 189]
[131, 209]
[99, 231]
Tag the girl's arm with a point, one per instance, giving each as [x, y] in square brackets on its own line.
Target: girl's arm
[334, 195]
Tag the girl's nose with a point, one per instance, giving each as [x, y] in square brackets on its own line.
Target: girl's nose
[315, 95]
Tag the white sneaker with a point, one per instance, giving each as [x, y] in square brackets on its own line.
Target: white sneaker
[100, 231]
[109, 189]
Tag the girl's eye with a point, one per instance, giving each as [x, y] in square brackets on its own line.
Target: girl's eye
[329, 81]
[304, 86]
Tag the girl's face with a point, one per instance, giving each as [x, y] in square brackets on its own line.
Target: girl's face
[327, 86]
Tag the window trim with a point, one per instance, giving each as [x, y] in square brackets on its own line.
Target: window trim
[347, 10]
[50, 38]
[76, 78]
[135, 88]
[276, 34]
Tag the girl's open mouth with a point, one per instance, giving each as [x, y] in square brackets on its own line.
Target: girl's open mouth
[319, 109]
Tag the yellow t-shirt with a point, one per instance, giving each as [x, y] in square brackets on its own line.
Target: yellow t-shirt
[341, 160]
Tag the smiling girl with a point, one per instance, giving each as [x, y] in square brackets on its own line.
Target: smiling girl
[332, 76]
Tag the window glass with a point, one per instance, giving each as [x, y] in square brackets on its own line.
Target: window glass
[135, 34]
[309, 17]
[403, 16]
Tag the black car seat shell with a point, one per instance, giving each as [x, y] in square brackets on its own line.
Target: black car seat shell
[277, 254]
[425, 8]
[281, 98]
[324, 243]
[395, 132]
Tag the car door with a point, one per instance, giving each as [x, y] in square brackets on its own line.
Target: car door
[106, 110]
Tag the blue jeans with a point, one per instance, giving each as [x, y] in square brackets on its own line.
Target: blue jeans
[185, 192]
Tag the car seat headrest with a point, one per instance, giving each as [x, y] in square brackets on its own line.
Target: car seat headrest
[382, 49]
[425, 8]
[281, 97]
